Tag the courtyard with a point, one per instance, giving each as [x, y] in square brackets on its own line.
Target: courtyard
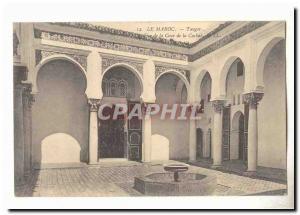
[117, 179]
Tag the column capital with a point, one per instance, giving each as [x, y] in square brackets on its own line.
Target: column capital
[27, 94]
[94, 104]
[218, 105]
[253, 98]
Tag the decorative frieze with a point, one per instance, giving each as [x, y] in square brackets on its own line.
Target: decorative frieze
[108, 45]
[112, 31]
[218, 105]
[107, 62]
[41, 54]
[227, 39]
[161, 69]
[94, 104]
[253, 98]
[251, 26]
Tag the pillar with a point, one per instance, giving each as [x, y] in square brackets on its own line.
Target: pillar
[27, 114]
[94, 76]
[252, 99]
[93, 130]
[94, 94]
[192, 123]
[18, 135]
[217, 133]
[192, 140]
[147, 133]
[148, 97]
[20, 92]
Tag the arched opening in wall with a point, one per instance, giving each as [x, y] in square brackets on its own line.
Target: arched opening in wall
[205, 92]
[60, 114]
[170, 89]
[235, 81]
[272, 109]
[238, 147]
[120, 137]
[199, 139]
[206, 112]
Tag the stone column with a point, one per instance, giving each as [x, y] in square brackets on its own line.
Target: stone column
[252, 99]
[147, 133]
[20, 90]
[217, 133]
[93, 130]
[18, 135]
[27, 104]
[147, 97]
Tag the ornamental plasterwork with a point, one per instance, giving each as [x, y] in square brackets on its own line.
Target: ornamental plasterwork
[253, 98]
[94, 104]
[112, 31]
[227, 39]
[108, 45]
[218, 105]
[28, 98]
[41, 54]
[107, 62]
[161, 69]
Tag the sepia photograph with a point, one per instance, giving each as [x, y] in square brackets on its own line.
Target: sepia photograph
[192, 109]
[103, 111]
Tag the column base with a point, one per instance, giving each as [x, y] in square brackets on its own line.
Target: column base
[216, 166]
[250, 173]
[92, 163]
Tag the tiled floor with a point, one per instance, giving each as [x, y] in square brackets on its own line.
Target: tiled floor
[239, 167]
[117, 180]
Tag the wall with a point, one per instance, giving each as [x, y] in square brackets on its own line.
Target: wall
[206, 118]
[60, 109]
[272, 111]
[175, 131]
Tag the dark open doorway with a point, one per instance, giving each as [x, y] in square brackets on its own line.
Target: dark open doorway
[199, 152]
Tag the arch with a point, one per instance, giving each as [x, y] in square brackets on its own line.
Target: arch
[59, 82]
[262, 59]
[224, 73]
[206, 76]
[178, 74]
[53, 58]
[198, 83]
[129, 68]
[237, 138]
[235, 120]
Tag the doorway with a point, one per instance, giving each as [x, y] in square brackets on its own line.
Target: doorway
[199, 138]
[112, 139]
[242, 151]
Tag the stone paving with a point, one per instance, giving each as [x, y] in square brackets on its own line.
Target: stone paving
[118, 181]
[239, 167]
